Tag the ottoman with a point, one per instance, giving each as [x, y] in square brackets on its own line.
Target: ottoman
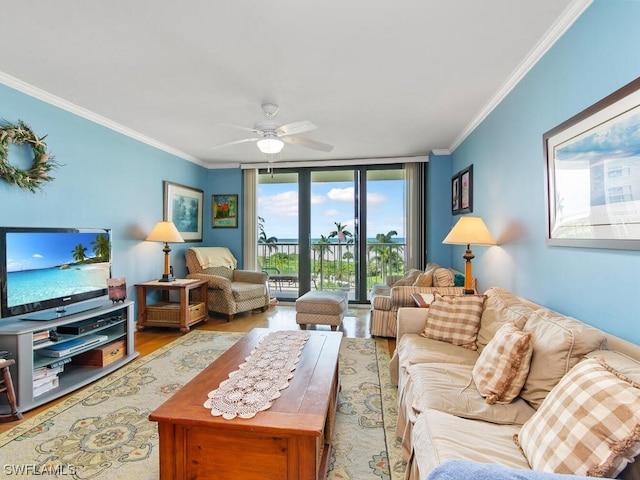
[321, 307]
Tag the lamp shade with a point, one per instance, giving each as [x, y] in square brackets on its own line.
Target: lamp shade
[165, 232]
[270, 145]
[469, 231]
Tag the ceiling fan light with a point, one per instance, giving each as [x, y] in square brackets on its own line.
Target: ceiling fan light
[270, 145]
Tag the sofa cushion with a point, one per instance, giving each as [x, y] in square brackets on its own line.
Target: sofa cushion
[559, 342]
[408, 279]
[455, 319]
[503, 366]
[442, 436]
[247, 291]
[448, 388]
[414, 348]
[500, 307]
[588, 425]
[443, 277]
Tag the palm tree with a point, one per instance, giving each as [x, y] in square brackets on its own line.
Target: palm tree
[79, 253]
[384, 256]
[101, 247]
[320, 246]
[341, 233]
[269, 242]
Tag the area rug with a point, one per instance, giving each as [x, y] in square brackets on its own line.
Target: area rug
[103, 432]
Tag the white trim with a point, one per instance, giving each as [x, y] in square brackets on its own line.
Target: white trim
[338, 162]
[560, 26]
[441, 151]
[56, 101]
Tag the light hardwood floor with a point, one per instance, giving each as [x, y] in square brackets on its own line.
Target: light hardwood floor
[280, 317]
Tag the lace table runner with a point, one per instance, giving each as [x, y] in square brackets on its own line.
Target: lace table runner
[257, 382]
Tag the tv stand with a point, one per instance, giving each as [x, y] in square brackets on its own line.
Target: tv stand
[58, 313]
[114, 324]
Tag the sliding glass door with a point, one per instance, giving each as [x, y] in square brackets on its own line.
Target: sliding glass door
[316, 233]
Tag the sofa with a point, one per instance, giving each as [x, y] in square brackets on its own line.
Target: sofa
[230, 291]
[495, 379]
[395, 293]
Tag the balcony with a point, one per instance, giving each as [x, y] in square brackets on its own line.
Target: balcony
[333, 266]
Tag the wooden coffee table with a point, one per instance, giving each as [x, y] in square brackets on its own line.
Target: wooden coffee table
[289, 440]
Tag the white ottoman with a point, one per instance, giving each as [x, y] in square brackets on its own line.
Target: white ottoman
[321, 307]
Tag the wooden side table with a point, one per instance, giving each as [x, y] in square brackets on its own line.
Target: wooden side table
[423, 300]
[181, 314]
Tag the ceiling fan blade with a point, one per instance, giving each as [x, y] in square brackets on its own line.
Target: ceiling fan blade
[295, 128]
[308, 143]
[239, 127]
[228, 144]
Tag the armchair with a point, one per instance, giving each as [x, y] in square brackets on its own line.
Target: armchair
[230, 291]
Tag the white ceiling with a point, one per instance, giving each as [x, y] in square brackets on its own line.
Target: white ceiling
[379, 78]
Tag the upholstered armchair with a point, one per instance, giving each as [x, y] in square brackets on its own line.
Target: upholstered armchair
[230, 291]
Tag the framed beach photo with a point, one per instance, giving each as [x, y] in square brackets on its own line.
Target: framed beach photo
[455, 194]
[184, 207]
[593, 175]
[224, 211]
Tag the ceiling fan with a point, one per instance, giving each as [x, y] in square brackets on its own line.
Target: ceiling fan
[271, 137]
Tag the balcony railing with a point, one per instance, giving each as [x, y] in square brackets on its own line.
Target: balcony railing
[333, 265]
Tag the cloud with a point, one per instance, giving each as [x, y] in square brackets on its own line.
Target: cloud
[317, 199]
[37, 255]
[332, 213]
[283, 204]
[341, 194]
[374, 199]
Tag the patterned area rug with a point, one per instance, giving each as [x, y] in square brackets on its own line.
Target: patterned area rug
[103, 433]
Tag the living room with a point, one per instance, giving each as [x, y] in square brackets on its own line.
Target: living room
[109, 179]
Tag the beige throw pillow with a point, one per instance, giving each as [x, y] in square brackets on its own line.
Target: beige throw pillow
[503, 365]
[588, 424]
[408, 278]
[455, 319]
[424, 280]
[443, 277]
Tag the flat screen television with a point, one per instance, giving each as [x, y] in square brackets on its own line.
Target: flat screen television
[48, 269]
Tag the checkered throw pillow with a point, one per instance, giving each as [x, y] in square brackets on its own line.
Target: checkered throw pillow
[589, 424]
[455, 319]
[503, 365]
[443, 277]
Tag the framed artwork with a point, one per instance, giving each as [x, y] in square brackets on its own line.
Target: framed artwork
[184, 207]
[466, 190]
[455, 194]
[593, 175]
[224, 211]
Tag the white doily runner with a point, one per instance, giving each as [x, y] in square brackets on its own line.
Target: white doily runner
[257, 382]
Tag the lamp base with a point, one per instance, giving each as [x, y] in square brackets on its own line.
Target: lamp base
[167, 277]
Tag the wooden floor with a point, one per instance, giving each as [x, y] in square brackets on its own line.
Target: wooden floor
[280, 317]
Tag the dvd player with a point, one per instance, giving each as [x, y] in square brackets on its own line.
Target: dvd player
[88, 325]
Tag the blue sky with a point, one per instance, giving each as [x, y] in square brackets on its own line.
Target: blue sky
[27, 251]
[331, 202]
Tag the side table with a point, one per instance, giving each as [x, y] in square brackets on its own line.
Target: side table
[423, 300]
[181, 314]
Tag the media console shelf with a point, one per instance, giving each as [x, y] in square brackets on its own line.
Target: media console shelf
[27, 340]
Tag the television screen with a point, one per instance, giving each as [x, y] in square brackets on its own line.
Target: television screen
[48, 268]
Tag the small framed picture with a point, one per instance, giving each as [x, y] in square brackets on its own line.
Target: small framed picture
[466, 190]
[183, 206]
[224, 211]
[455, 194]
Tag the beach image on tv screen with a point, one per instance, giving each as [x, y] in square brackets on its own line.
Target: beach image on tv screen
[48, 265]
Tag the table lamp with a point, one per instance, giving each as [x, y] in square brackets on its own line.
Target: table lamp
[165, 232]
[467, 231]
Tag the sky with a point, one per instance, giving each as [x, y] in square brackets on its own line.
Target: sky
[331, 202]
[27, 251]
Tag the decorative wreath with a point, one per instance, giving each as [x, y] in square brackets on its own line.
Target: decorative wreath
[43, 163]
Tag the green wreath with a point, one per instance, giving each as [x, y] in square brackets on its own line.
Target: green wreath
[43, 163]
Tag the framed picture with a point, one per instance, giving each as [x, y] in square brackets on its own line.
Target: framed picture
[466, 190]
[593, 175]
[224, 211]
[184, 207]
[455, 194]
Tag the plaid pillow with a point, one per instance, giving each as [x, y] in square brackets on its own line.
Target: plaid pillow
[587, 425]
[455, 319]
[503, 365]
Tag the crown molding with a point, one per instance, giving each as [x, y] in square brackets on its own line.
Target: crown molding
[560, 26]
[56, 101]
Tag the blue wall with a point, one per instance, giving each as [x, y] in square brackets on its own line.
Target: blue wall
[597, 55]
[105, 180]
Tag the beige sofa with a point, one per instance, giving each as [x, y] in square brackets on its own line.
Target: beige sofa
[396, 293]
[442, 415]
